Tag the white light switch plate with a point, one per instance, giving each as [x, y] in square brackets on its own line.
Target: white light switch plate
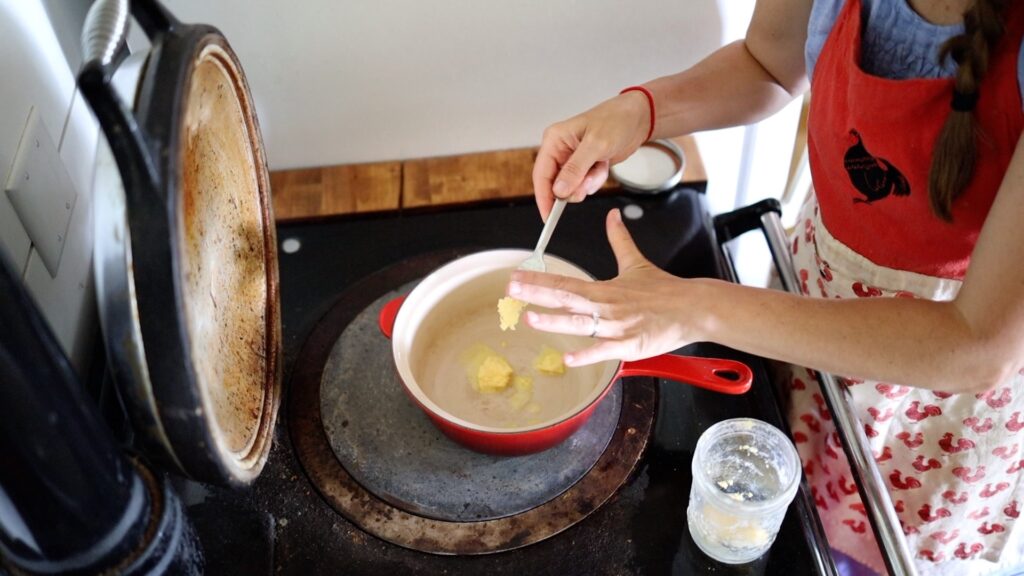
[41, 192]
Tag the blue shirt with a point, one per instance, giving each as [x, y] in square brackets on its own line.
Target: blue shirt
[896, 41]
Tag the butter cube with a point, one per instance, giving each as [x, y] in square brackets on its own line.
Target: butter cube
[494, 375]
[473, 358]
[509, 310]
[549, 362]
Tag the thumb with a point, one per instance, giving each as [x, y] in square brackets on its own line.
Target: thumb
[575, 169]
[626, 253]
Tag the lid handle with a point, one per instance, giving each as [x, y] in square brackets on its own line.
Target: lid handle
[104, 42]
[105, 32]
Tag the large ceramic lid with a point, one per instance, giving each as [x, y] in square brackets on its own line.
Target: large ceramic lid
[186, 256]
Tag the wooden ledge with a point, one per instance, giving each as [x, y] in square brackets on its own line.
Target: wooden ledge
[382, 186]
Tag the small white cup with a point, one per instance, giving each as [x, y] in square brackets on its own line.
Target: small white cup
[745, 474]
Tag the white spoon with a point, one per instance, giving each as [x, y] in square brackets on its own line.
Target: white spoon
[535, 262]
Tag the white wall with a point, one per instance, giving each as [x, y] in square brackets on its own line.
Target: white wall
[37, 80]
[362, 80]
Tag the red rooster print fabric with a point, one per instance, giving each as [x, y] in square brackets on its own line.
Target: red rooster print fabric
[953, 463]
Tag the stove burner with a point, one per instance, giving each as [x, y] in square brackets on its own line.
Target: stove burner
[393, 450]
[446, 501]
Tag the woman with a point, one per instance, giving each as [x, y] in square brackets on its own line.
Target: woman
[911, 246]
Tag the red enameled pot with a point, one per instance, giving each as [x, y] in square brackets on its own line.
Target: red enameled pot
[452, 312]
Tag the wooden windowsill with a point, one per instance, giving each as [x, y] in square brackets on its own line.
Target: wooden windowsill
[382, 186]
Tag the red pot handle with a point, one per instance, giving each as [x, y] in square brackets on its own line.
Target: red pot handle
[719, 375]
[386, 318]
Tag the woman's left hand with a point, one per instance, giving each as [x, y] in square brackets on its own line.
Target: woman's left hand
[642, 312]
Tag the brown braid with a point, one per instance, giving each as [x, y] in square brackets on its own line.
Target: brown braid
[956, 147]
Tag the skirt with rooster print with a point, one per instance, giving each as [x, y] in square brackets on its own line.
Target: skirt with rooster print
[953, 463]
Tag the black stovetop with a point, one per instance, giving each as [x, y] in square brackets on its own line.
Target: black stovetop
[282, 525]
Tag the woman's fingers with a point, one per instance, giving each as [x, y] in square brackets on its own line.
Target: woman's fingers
[574, 171]
[573, 324]
[595, 178]
[608, 347]
[551, 291]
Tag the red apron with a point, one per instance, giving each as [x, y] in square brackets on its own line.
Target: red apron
[952, 462]
[870, 142]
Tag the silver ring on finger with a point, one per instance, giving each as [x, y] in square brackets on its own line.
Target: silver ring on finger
[597, 322]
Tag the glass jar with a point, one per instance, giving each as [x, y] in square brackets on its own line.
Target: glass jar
[745, 474]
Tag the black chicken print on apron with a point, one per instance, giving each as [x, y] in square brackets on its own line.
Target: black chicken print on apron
[875, 178]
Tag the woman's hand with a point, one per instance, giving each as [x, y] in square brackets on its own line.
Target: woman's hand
[642, 312]
[575, 154]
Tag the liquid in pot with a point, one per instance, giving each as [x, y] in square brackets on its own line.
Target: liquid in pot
[467, 318]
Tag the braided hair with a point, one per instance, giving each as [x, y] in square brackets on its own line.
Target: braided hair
[956, 147]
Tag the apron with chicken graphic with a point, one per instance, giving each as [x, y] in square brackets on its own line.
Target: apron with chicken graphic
[953, 463]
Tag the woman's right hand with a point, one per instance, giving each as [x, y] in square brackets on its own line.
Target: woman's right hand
[575, 154]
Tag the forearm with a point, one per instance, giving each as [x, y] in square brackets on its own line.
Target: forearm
[917, 343]
[728, 88]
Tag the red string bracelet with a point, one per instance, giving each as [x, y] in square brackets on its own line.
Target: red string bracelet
[650, 104]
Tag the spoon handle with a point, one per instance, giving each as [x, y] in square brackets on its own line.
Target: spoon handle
[549, 226]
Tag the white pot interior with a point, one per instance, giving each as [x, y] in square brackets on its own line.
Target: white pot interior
[454, 309]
